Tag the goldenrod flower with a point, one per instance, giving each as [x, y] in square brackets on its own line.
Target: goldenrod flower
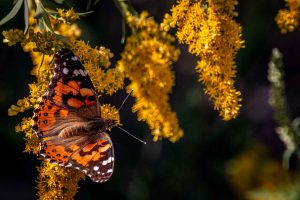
[46, 42]
[288, 19]
[255, 176]
[209, 30]
[13, 36]
[68, 15]
[55, 182]
[104, 79]
[146, 61]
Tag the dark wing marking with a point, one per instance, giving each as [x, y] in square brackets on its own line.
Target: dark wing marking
[71, 87]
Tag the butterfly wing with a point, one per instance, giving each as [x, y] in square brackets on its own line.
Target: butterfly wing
[50, 119]
[71, 87]
[95, 159]
[92, 155]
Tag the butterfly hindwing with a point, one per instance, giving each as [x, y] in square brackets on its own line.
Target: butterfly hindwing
[96, 159]
[92, 155]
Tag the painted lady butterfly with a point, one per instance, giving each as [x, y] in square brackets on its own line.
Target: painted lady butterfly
[69, 123]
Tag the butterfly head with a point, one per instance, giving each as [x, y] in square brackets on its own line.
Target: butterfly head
[109, 123]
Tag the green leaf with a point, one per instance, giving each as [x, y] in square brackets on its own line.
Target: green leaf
[26, 16]
[85, 13]
[59, 1]
[88, 4]
[95, 2]
[46, 19]
[12, 13]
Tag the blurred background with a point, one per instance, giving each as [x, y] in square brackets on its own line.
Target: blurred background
[239, 159]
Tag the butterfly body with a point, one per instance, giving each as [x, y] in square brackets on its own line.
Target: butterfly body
[68, 121]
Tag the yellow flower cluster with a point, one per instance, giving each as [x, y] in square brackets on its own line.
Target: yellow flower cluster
[209, 30]
[288, 19]
[57, 182]
[104, 79]
[146, 61]
[13, 36]
[68, 15]
[45, 42]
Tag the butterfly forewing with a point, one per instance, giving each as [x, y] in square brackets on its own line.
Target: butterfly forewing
[71, 86]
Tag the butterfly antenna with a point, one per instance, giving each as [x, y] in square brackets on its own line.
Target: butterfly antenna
[125, 100]
[131, 135]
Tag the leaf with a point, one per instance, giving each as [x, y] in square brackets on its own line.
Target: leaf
[88, 4]
[59, 1]
[26, 16]
[46, 19]
[123, 31]
[85, 13]
[12, 13]
[95, 2]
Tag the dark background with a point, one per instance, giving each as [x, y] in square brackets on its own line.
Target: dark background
[196, 167]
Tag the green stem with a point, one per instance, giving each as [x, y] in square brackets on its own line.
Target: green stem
[125, 8]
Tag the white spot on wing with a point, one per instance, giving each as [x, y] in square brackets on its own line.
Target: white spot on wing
[82, 72]
[74, 58]
[104, 162]
[65, 70]
[76, 72]
[95, 168]
[109, 171]
[64, 63]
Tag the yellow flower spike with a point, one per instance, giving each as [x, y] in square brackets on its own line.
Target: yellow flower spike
[57, 182]
[146, 61]
[288, 19]
[210, 32]
[70, 31]
[68, 15]
[96, 61]
[13, 36]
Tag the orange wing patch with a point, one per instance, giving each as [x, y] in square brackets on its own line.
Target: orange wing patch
[46, 116]
[91, 152]
[71, 86]
[55, 153]
[70, 94]
[75, 103]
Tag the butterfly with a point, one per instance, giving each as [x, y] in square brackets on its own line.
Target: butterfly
[68, 121]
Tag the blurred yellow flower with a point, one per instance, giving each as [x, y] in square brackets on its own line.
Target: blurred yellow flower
[288, 18]
[256, 176]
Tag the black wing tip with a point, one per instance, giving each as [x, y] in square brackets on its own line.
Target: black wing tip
[62, 53]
